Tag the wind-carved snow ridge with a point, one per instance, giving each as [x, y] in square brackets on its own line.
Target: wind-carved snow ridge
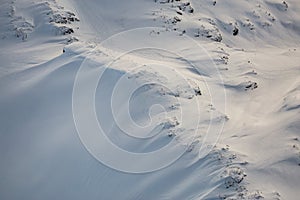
[183, 11]
[149, 99]
[158, 99]
[25, 19]
[207, 19]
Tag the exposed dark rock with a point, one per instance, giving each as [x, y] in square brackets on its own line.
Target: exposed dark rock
[235, 31]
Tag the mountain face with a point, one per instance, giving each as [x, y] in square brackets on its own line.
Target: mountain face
[149, 99]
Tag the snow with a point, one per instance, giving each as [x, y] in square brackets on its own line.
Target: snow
[147, 99]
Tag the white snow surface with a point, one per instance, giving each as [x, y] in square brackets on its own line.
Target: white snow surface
[223, 107]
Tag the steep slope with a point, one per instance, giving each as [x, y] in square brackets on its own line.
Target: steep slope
[201, 99]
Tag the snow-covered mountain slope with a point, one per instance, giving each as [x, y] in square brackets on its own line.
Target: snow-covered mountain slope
[198, 99]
